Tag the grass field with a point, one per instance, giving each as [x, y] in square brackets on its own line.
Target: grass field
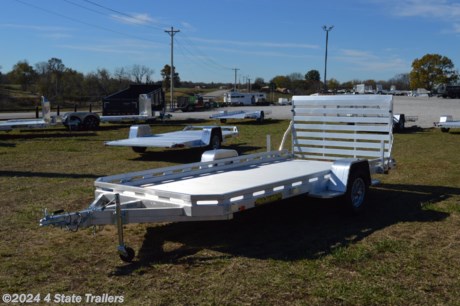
[403, 250]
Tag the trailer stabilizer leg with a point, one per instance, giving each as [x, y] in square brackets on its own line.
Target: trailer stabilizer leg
[126, 253]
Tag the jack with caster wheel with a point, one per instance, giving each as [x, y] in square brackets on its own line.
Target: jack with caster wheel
[126, 253]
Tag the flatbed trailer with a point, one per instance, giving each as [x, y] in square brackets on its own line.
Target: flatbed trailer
[333, 155]
[446, 123]
[45, 121]
[141, 137]
[258, 115]
[92, 120]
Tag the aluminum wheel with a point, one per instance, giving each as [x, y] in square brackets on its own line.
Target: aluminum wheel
[358, 192]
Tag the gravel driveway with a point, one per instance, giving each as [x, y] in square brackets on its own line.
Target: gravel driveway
[427, 110]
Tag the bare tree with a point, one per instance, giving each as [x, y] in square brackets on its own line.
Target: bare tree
[141, 74]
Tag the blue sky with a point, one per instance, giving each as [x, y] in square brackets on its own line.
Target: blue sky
[371, 39]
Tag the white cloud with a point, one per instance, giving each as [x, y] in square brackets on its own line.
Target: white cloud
[367, 61]
[357, 54]
[188, 26]
[456, 27]
[140, 19]
[121, 47]
[44, 31]
[444, 10]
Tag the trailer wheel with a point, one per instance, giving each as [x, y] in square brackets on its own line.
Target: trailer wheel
[91, 123]
[215, 142]
[445, 130]
[129, 255]
[357, 189]
[139, 149]
[261, 118]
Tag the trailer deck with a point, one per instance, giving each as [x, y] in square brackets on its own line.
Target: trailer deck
[338, 142]
[258, 115]
[141, 136]
[45, 121]
[446, 123]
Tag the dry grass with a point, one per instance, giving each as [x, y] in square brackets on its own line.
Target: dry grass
[402, 250]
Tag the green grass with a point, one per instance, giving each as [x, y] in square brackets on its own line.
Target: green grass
[402, 250]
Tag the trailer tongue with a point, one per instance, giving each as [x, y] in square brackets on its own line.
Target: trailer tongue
[338, 142]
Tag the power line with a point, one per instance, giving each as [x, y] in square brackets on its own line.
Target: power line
[119, 12]
[195, 53]
[206, 59]
[79, 21]
[203, 55]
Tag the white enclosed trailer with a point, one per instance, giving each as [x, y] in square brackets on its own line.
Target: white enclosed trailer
[141, 137]
[244, 98]
[333, 155]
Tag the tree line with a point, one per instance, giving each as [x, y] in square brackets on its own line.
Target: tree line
[56, 81]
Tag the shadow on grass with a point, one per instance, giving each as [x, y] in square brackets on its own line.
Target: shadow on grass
[251, 122]
[46, 174]
[411, 130]
[292, 229]
[7, 144]
[51, 133]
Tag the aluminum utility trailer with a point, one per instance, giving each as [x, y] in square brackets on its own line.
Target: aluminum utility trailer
[446, 123]
[258, 115]
[45, 121]
[141, 137]
[91, 120]
[338, 142]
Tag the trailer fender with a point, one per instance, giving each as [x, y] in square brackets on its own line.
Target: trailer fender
[212, 136]
[213, 155]
[142, 130]
[342, 171]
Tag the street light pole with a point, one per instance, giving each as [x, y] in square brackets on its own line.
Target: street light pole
[327, 29]
[234, 84]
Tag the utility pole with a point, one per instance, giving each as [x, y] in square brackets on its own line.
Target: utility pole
[327, 29]
[171, 33]
[234, 84]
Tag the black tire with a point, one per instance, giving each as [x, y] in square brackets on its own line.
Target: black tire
[91, 123]
[223, 120]
[190, 108]
[401, 124]
[357, 189]
[129, 255]
[261, 118]
[215, 142]
[139, 150]
[445, 130]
